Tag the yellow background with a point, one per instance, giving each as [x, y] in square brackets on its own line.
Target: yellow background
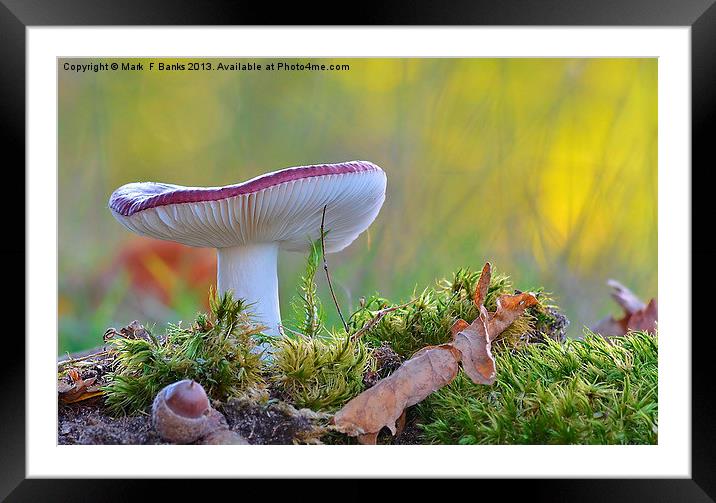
[546, 167]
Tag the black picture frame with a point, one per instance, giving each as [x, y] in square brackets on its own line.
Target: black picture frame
[17, 15]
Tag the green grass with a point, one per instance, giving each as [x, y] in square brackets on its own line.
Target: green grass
[586, 391]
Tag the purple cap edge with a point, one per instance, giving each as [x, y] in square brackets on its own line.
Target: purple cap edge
[129, 202]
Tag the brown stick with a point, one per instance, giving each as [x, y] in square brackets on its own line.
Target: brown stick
[325, 268]
[70, 360]
[378, 316]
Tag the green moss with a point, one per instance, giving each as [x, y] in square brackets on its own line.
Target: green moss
[319, 373]
[218, 350]
[589, 391]
[308, 312]
[427, 319]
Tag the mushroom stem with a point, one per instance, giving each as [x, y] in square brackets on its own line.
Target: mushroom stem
[250, 271]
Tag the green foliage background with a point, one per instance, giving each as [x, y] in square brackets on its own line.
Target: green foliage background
[546, 167]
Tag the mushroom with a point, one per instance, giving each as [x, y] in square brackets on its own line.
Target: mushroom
[249, 222]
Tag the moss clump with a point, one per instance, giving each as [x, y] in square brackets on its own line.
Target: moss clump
[427, 319]
[321, 373]
[310, 366]
[218, 350]
[307, 308]
[589, 391]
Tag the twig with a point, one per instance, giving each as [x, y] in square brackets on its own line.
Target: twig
[325, 268]
[71, 360]
[285, 328]
[378, 316]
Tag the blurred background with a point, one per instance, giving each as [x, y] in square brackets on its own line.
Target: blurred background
[545, 167]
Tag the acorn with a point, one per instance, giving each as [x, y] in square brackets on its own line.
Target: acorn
[181, 413]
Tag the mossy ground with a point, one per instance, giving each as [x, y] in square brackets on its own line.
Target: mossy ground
[590, 391]
[219, 350]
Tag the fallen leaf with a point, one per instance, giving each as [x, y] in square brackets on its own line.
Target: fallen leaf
[79, 389]
[644, 319]
[134, 330]
[509, 308]
[458, 326]
[382, 405]
[610, 326]
[432, 367]
[637, 315]
[476, 351]
[475, 341]
[483, 285]
[625, 297]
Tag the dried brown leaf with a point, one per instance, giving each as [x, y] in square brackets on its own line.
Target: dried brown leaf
[87, 394]
[644, 319]
[625, 297]
[74, 375]
[80, 393]
[134, 330]
[433, 367]
[609, 326]
[475, 349]
[64, 387]
[382, 405]
[509, 308]
[79, 389]
[458, 326]
[483, 285]
[637, 315]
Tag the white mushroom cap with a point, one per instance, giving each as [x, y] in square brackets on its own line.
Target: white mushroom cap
[283, 207]
[249, 222]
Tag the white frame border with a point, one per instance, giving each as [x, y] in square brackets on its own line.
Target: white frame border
[671, 458]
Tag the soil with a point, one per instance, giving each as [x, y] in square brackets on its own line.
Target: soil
[277, 423]
[411, 434]
[85, 423]
[264, 421]
[387, 361]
